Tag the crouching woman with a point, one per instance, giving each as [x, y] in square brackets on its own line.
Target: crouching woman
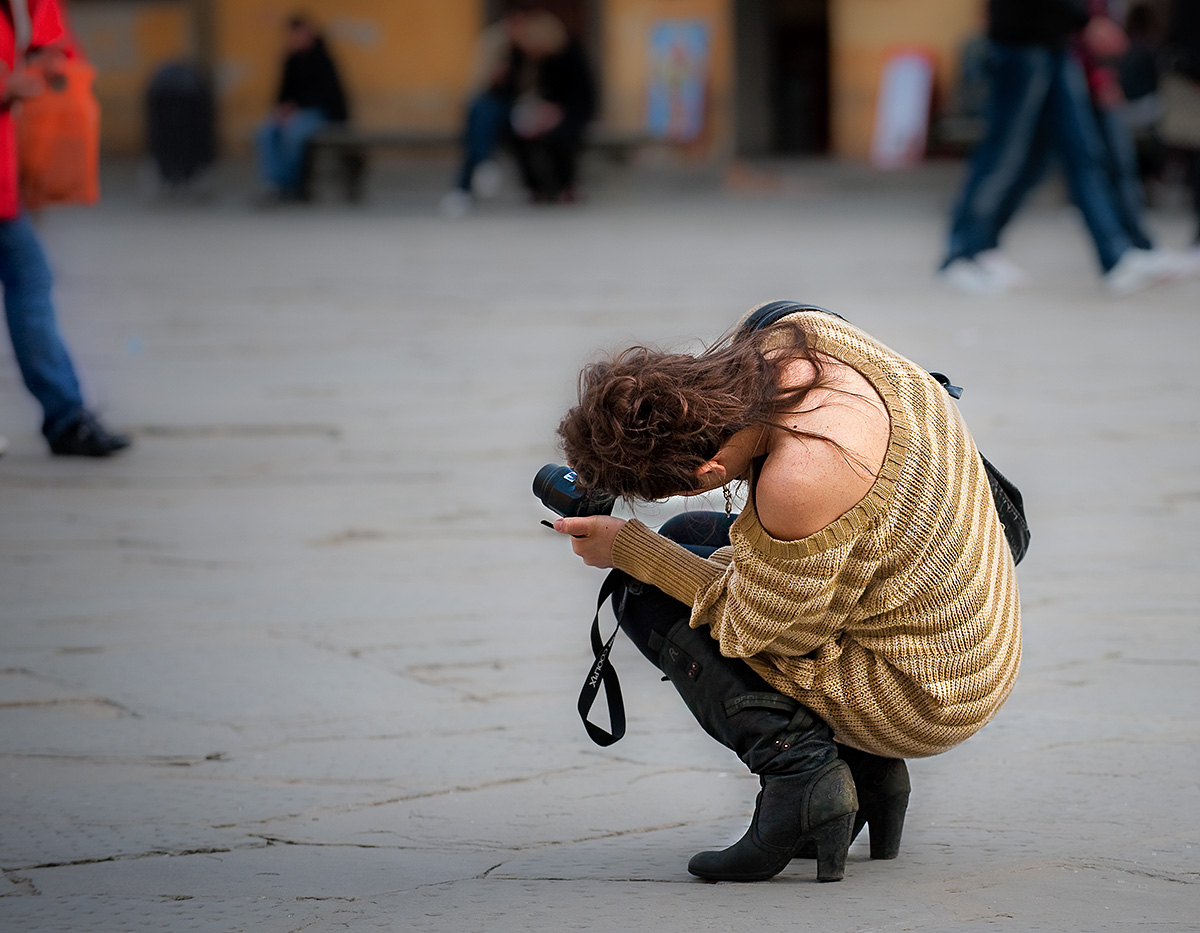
[861, 609]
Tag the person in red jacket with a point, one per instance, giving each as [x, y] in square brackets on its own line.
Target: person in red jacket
[46, 367]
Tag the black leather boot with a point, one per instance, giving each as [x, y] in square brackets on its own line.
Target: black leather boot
[883, 788]
[807, 797]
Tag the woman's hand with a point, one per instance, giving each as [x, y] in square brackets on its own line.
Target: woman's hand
[592, 537]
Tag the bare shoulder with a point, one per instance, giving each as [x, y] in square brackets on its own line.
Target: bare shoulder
[809, 482]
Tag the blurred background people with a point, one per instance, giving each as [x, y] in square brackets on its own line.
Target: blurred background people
[536, 95]
[488, 111]
[1040, 103]
[31, 36]
[310, 97]
[555, 101]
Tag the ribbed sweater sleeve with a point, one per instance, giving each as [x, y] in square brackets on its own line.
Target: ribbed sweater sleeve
[656, 560]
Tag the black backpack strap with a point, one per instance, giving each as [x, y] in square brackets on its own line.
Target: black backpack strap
[602, 672]
[952, 390]
[774, 311]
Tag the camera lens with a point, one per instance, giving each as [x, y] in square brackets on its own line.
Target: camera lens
[555, 486]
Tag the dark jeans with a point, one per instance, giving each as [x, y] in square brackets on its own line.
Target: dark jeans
[1039, 98]
[1120, 168]
[281, 147]
[549, 163]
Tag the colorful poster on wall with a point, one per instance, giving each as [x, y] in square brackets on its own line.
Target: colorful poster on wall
[679, 54]
[902, 109]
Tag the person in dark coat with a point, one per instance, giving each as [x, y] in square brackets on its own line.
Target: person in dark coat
[310, 97]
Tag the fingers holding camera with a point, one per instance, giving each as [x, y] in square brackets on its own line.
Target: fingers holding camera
[592, 537]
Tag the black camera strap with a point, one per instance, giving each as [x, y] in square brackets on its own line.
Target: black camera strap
[602, 672]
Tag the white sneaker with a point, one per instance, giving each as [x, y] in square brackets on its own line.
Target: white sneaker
[487, 180]
[1139, 269]
[1003, 268]
[972, 277]
[455, 204]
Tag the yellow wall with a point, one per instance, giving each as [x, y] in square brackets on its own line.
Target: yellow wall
[127, 41]
[862, 33]
[405, 63]
[625, 77]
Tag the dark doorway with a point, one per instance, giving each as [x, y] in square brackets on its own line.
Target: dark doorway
[782, 77]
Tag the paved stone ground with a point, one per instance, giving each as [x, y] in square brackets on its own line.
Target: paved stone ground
[305, 660]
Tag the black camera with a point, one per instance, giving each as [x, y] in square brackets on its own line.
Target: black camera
[555, 486]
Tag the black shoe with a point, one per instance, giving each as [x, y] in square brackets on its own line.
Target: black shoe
[883, 789]
[793, 812]
[87, 437]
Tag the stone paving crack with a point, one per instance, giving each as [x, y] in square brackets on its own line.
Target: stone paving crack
[21, 886]
[72, 701]
[134, 856]
[405, 798]
[1126, 868]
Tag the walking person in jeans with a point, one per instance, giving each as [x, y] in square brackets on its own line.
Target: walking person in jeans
[1039, 95]
[69, 428]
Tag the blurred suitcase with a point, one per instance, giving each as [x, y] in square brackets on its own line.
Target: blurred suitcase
[180, 123]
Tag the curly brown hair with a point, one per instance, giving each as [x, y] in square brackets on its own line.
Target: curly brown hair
[647, 420]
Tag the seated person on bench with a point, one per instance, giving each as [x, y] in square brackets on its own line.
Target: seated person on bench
[310, 97]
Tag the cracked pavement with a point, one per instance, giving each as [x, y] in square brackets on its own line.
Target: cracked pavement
[305, 660]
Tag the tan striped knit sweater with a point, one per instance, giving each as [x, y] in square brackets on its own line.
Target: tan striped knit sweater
[900, 622]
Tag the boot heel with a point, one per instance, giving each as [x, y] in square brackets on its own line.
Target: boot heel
[832, 841]
[886, 825]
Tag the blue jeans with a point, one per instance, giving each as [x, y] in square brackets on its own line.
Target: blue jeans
[1038, 103]
[281, 148]
[487, 124]
[41, 354]
[1120, 167]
